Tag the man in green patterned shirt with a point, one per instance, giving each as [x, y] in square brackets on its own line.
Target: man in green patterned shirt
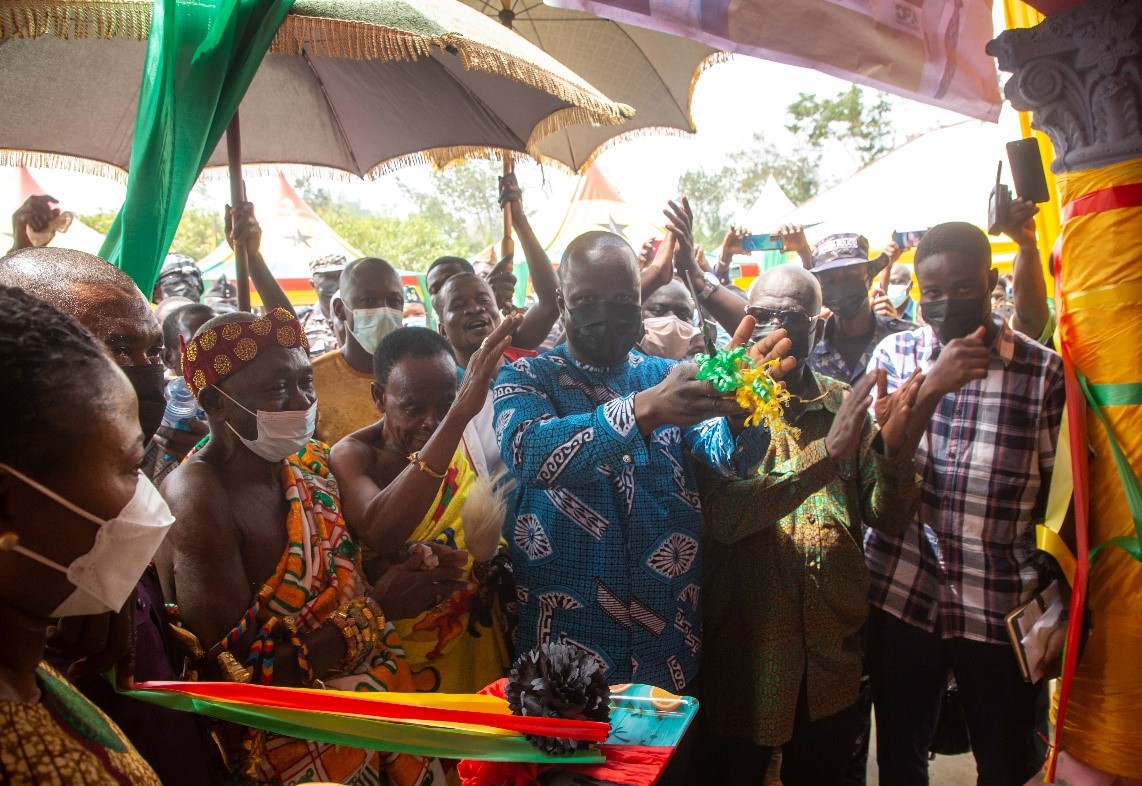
[785, 582]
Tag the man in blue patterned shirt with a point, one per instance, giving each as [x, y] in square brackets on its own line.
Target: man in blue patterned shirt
[602, 439]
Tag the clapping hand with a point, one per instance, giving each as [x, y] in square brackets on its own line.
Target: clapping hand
[893, 410]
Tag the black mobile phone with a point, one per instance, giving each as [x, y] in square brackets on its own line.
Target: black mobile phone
[1027, 170]
[998, 205]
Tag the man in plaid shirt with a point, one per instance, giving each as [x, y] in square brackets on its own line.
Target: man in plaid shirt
[989, 407]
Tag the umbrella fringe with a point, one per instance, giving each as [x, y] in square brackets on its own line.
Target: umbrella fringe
[94, 19]
[717, 58]
[86, 166]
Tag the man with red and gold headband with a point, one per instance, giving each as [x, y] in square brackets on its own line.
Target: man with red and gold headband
[261, 564]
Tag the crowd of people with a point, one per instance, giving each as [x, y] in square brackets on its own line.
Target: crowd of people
[369, 499]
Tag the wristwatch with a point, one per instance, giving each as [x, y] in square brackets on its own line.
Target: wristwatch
[708, 290]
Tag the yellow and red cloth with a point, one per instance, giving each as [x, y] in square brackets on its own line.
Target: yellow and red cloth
[215, 354]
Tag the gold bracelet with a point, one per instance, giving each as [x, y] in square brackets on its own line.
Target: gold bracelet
[422, 465]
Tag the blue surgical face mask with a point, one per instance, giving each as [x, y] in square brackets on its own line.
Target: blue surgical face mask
[371, 325]
[897, 294]
[416, 321]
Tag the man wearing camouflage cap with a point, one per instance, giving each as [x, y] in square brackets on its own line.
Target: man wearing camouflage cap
[325, 278]
[845, 273]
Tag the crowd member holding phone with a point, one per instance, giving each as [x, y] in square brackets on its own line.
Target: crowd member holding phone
[989, 412]
[841, 265]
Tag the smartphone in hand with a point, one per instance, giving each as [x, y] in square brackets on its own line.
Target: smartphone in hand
[761, 243]
[908, 239]
[1027, 170]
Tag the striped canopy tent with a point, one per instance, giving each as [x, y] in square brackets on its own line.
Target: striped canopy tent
[293, 235]
[16, 185]
[597, 205]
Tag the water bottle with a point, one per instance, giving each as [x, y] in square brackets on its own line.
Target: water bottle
[182, 406]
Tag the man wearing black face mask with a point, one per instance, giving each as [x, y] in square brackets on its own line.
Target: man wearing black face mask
[784, 565]
[602, 441]
[841, 264]
[988, 416]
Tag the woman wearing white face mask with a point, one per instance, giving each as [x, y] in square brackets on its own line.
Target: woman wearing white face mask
[77, 530]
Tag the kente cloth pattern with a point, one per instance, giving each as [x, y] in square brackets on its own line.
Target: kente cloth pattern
[318, 572]
[65, 740]
[345, 398]
[969, 557]
[605, 535]
[826, 358]
[215, 354]
[460, 641]
[785, 582]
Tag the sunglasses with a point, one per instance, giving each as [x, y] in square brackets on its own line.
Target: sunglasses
[793, 320]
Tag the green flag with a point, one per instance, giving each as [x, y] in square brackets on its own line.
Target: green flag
[201, 57]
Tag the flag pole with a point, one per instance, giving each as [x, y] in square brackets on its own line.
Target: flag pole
[507, 248]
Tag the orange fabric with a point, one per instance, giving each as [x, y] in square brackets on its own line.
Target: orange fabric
[1100, 250]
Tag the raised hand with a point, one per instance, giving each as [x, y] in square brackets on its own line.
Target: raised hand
[429, 574]
[881, 304]
[660, 270]
[1021, 226]
[793, 239]
[732, 243]
[243, 228]
[680, 223]
[511, 195]
[36, 214]
[893, 410]
[843, 439]
[502, 282]
[482, 368]
[961, 361]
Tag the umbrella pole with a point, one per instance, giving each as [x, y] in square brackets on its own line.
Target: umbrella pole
[508, 245]
[237, 197]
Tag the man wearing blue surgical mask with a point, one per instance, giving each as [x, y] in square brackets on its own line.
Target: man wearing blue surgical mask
[371, 305]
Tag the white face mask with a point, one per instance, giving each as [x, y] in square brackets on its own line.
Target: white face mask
[897, 294]
[371, 325]
[124, 546]
[280, 434]
[416, 321]
[667, 337]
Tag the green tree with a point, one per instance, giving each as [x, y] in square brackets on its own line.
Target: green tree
[865, 129]
[708, 194]
[199, 232]
[797, 171]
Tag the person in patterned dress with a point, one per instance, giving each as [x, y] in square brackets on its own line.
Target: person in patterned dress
[785, 581]
[261, 553]
[62, 389]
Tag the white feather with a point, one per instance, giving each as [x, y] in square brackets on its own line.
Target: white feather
[483, 517]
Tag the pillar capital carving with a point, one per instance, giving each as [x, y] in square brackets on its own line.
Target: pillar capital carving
[1080, 73]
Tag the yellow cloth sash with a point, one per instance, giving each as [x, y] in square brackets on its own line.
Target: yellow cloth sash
[462, 654]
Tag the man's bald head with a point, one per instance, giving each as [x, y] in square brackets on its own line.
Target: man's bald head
[593, 248]
[371, 282]
[791, 283]
[100, 296]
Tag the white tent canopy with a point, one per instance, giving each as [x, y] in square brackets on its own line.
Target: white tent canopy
[944, 175]
[770, 206]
